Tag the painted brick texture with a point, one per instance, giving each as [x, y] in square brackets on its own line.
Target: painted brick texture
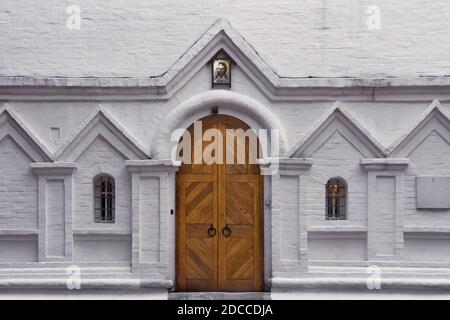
[337, 158]
[55, 218]
[18, 188]
[290, 220]
[101, 157]
[149, 219]
[296, 38]
[430, 157]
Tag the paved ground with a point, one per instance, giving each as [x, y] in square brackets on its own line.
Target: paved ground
[219, 296]
[151, 294]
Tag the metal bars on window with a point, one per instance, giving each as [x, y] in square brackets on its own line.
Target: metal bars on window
[104, 199]
[336, 194]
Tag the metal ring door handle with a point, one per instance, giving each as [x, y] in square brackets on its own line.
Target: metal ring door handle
[212, 231]
[226, 231]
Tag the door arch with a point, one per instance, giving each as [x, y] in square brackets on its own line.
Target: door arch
[219, 209]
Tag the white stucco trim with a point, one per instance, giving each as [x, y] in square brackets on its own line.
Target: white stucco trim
[53, 167]
[162, 82]
[232, 103]
[392, 164]
[44, 153]
[338, 113]
[434, 110]
[152, 165]
[61, 283]
[125, 142]
[355, 282]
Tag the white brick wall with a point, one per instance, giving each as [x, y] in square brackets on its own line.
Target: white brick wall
[290, 218]
[149, 242]
[55, 219]
[383, 224]
[337, 158]
[18, 188]
[431, 157]
[101, 157]
[144, 39]
[296, 38]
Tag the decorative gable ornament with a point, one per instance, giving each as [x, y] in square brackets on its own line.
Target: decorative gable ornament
[221, 68]
[102, 124]
[338, 120]
[12, 126]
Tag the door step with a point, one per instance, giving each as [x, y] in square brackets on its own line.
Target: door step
[219, 296]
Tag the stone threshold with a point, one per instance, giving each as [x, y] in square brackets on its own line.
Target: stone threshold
[219, 296]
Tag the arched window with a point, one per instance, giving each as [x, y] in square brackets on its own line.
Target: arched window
[104, 198]
[336, 197]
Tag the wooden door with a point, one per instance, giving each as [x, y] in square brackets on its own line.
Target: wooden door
[219, 217]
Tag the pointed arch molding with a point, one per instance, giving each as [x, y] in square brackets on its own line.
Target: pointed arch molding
[434, 118]
[11, 125]
[338, 119]
[101, 124]
[257, 116]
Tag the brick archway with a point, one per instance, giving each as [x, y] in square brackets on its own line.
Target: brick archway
[231, 103]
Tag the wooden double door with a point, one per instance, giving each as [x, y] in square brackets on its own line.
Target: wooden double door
[219, 217]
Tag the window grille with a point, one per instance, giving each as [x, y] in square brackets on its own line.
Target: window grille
[336, 194]
[104, 199]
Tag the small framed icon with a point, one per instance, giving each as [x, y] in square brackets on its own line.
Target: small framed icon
[221, 71]
[221, 68]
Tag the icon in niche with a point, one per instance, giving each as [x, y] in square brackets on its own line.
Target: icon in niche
[222, 71]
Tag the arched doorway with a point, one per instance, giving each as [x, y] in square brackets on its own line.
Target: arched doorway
[219, 208]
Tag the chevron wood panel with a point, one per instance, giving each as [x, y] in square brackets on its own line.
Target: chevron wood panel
[239, 203]
[199, 259]
[196, 250]
[240, 259]
[199, 202]
[242, 253]
[219, 196]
